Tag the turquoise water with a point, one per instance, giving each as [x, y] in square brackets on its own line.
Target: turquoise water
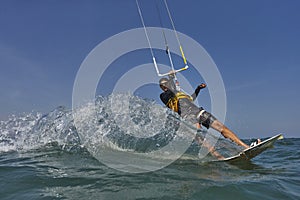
[52, 173]
[44, 157]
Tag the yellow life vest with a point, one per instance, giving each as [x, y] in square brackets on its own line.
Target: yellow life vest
[173, 102]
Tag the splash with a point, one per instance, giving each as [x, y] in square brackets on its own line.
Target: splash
[140, 125]
[126, 122]
[115, 123]
[34, 130]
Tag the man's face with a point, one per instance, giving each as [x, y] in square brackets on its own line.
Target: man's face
[163, 87]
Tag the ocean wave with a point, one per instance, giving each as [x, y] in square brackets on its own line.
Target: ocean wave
[110, 124]
[122, 121]
[34, 130]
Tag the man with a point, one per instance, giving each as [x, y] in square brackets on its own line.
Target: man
[184, 106]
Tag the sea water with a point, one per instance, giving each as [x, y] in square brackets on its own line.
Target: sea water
[45, 157]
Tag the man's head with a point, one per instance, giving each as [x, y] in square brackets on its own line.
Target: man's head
[163, 83]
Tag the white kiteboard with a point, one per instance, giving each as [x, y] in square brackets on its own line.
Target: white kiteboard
[251, 152]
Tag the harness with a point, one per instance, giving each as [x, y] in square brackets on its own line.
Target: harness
[173, 102]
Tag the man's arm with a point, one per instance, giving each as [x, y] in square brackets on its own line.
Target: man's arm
[195, 94]
[171, 83]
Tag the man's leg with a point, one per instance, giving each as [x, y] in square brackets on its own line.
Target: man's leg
[227, 133]
[210, 148]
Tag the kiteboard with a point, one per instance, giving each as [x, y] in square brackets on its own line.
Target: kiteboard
[251, 152]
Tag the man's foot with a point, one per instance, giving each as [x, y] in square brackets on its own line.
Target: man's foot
[256, 142]
[217, 155]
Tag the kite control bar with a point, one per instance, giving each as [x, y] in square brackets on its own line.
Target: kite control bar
[174, 71]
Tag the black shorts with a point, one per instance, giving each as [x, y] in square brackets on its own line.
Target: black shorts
[206, 118]
[201, 116]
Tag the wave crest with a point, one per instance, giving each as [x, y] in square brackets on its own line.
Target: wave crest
[122, 121]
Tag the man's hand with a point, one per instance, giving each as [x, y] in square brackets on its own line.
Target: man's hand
[172, 72]
[202, 85]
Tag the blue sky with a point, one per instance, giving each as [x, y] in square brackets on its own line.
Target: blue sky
[255, 45]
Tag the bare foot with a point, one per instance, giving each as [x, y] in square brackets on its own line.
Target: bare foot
[256, 142]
